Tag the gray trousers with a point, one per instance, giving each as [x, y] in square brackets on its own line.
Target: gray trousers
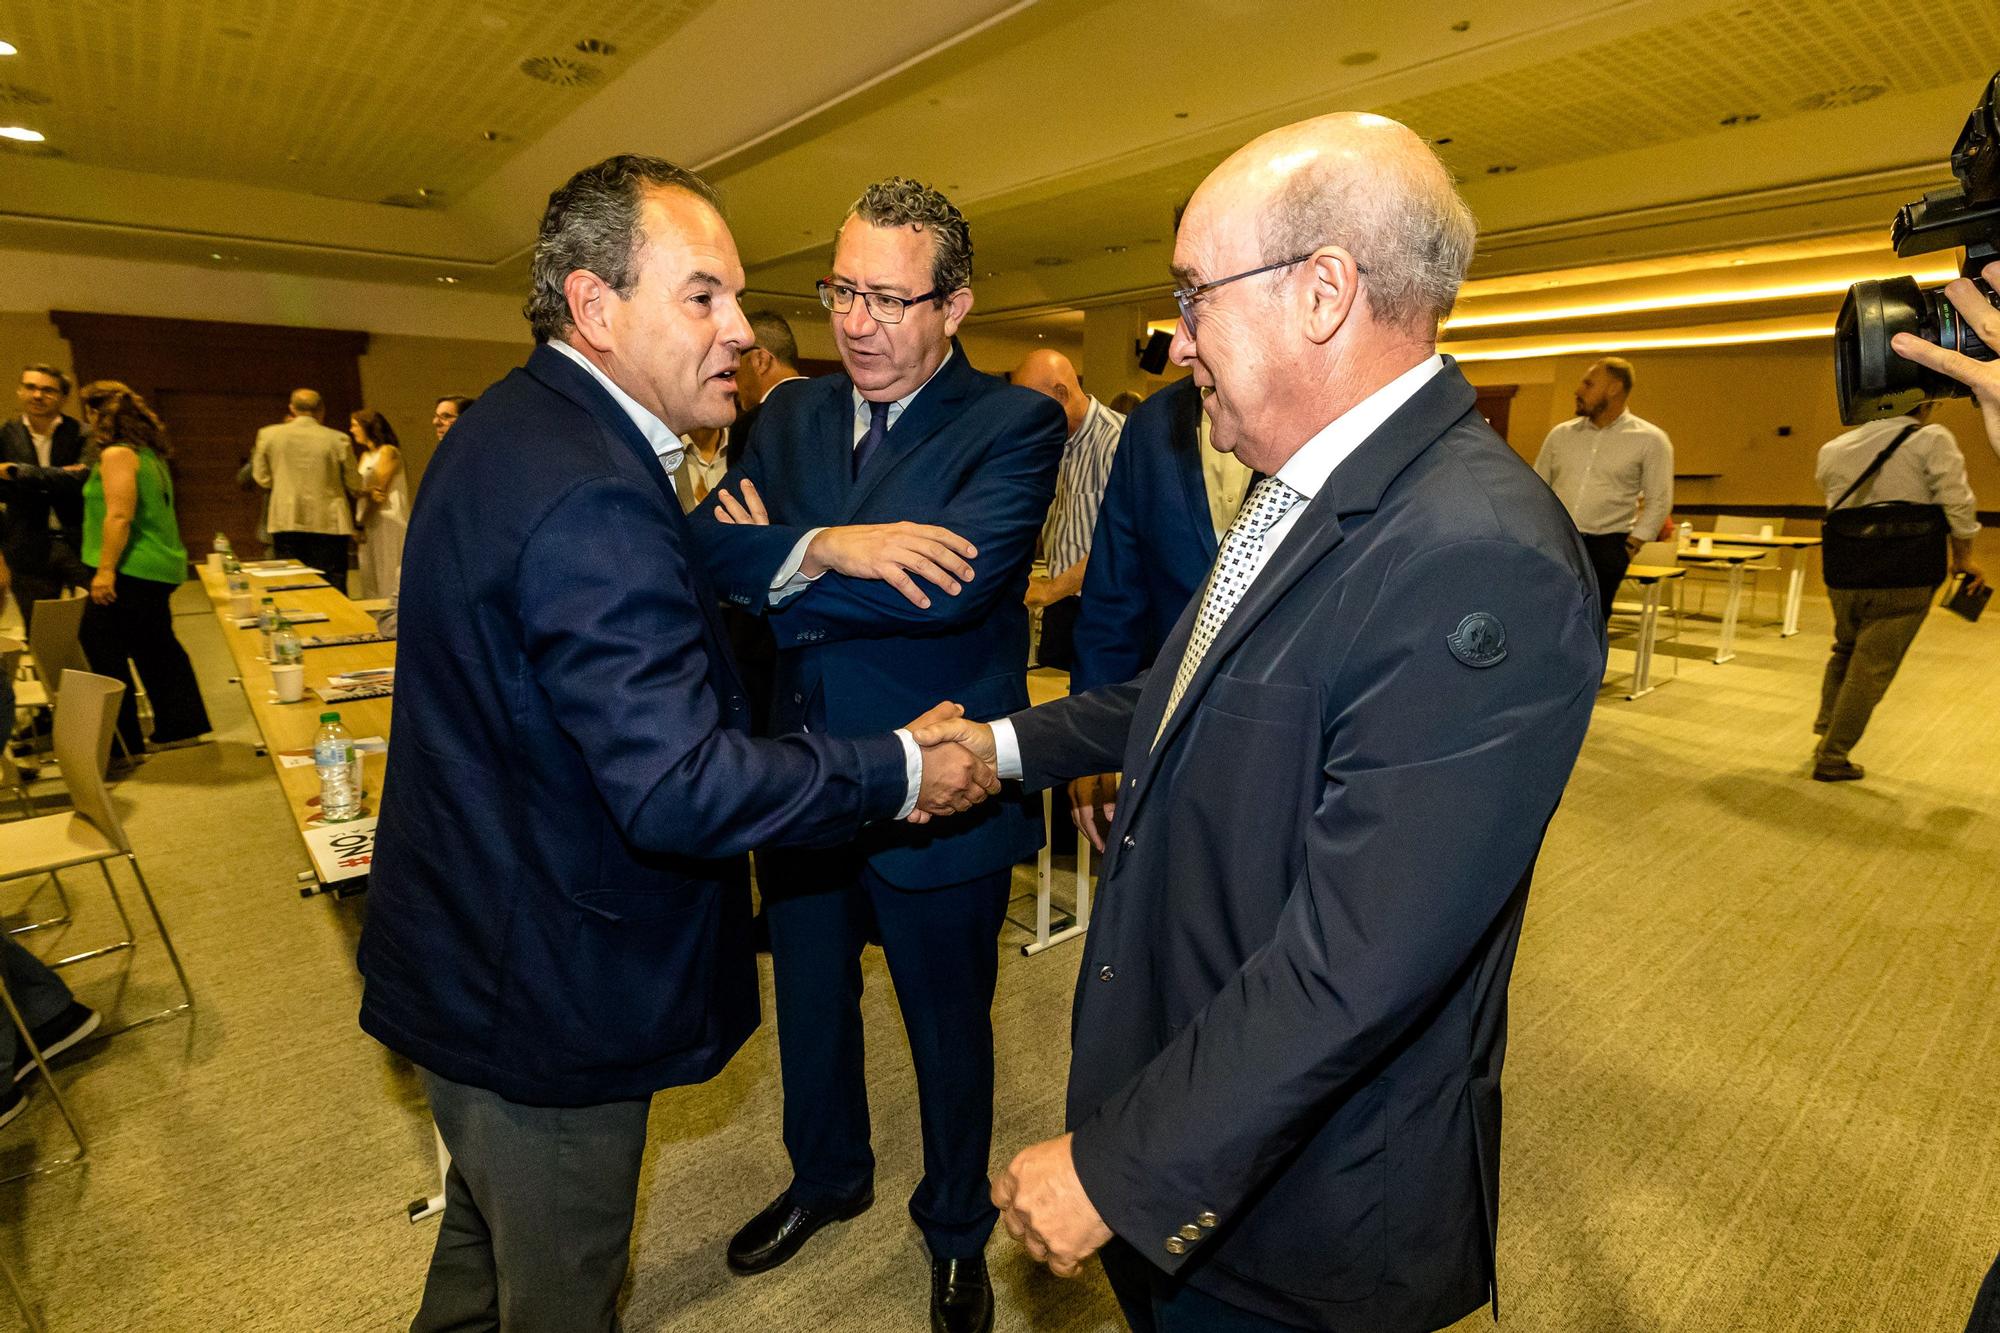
[1872, 629]
[38, 993]
[537, 1226]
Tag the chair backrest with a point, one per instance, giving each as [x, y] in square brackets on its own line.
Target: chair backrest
[84, 717]
[1657, 553]
[1745, 523]
[10, 662]
[53, 640]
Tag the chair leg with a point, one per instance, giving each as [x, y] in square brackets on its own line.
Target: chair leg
[34, 1320]
[116, 945]
[49, 1082]
[173, 955]
[46, 922]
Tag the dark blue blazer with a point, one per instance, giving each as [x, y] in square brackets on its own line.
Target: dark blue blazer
[971, 453]
[36, 491]
[559, 909]
[1153, 542]
[1292, 1014]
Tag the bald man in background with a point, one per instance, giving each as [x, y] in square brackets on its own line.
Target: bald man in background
[1086, 467]
[309, 470]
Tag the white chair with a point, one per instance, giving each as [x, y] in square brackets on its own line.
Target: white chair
[1753, 570]
[91, 833]
[1661, 554]
[10, 777]
[49, 1082]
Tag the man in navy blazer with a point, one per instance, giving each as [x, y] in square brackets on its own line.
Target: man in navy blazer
[1284, 1100]
[1154, 541]
[910, 431]
[558, 920]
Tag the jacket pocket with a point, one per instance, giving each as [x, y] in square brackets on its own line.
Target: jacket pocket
[640, 966]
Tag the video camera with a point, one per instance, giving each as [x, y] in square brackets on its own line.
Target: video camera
[1874, 382]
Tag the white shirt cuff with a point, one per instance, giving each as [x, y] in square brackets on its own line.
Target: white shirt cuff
[913, 771]
[1006, 751]
[789, 583]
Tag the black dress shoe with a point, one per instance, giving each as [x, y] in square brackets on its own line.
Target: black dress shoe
[777, 1233]
[961, 1296]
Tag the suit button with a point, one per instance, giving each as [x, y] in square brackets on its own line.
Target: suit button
[1105, 973]
[1190, 1232]
[1127, 840]
[1175, 1245]
[1205, 1219]
[798, 698]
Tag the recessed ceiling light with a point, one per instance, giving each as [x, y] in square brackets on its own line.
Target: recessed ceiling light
[7, 49]
[1180, 115]
[496, 136]
[1114, 249]
[448, 280]
[1742, 118]
[1361, 57]
[591, 46]
[21, 134]
[1463, 25]
[1501, 169]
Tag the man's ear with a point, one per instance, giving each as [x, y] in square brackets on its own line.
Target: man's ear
[589, 297]
[1333, 286]
[956, 307]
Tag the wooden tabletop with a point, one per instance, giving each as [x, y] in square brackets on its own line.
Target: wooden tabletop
[1727, 555]
[1752, 539]
[1654, 573]
[290, 727]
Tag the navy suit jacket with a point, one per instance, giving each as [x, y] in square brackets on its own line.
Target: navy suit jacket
[37, 490]
[559, 908]
[1153, 542]
[1291, 1018]
[970, 453]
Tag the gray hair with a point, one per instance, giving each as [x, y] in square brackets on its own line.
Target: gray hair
[1404, 223]
[902, 202]
[774, 335]
[592, 224]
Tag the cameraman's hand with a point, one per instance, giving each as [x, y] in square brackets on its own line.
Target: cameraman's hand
[1982, 377]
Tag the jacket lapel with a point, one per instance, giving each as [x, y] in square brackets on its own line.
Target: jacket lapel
[935, 407]
[580, 387]
[1185, 437]
[1356, 487]
[570, 380]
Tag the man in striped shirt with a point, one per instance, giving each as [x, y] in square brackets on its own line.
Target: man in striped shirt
[1086, 466]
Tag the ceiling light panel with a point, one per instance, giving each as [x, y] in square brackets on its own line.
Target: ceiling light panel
[372, 97]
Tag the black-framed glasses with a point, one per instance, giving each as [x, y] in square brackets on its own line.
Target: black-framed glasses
[53, 390]
[1185, 297]
[882, 307]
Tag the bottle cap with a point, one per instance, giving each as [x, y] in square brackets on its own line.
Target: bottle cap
[329, 717]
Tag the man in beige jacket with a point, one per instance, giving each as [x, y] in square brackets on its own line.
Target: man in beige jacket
[312, 477]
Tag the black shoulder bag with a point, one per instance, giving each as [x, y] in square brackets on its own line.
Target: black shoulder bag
[1889, 544]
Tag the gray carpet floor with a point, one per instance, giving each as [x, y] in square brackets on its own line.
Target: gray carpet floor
[1754, 1078]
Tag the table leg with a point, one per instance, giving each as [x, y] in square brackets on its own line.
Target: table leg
[1642, 660]
[1045, 936]
[1725, 649]
[431, 1207]
[1794, 587]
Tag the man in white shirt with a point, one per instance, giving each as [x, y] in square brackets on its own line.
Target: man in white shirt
[1613, 471]
[1874, 627]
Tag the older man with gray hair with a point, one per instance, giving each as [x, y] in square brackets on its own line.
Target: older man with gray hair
[1284, 1097]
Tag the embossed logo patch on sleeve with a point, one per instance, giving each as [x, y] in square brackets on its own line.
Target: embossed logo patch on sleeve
[1479, 641]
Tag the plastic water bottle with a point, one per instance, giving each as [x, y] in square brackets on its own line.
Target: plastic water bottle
[1684, 536]
[285, 645]
[334, 757]
[267, 624]
[223, 548]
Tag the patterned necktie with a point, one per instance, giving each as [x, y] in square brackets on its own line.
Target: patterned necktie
[878, 427]
[1235, 566]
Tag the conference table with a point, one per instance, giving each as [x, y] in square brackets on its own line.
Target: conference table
[1651, 580]
[340, 853]
[1791, 551]
[1732, 559]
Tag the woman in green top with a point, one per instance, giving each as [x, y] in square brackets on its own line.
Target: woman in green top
[133, 543]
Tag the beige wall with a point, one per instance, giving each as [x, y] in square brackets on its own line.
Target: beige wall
[1723, 408]
[402, 377]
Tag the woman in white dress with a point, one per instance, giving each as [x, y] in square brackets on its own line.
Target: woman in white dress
[383, 512]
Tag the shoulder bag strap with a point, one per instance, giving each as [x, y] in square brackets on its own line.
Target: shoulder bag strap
[1875, 466]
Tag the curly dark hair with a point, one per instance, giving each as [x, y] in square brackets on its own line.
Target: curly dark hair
[592, 223]
[123, 417]
[902, 202]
